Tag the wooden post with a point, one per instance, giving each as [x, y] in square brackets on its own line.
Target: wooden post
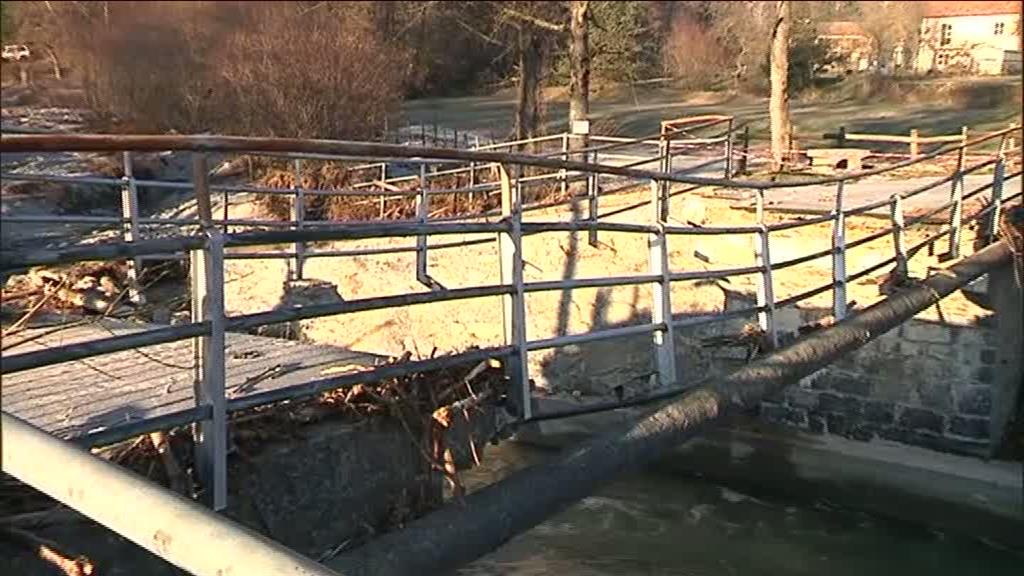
[915, 146]
[841, 137]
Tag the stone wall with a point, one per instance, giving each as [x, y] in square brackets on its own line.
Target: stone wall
[941, 385]
[924, 383]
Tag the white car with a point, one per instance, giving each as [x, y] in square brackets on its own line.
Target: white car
[16, 52]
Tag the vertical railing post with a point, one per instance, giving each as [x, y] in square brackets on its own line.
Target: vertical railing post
[207, 285]
[130, 228]
[839, 256]
[510, 243]
[472, 181]
[956, 196]
[915, 144]
[745, 153]
[899, 242]
[661, 200]
[593, 193]
[765, 286]
[728, 150]
[298, 216]
[563, 174]
[998, 177]
[661, 291]
[384, 183]
[422, 207]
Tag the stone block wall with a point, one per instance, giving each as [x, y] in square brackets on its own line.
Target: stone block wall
[924, 383]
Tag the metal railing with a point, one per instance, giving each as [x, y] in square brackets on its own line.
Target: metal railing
[212, 246]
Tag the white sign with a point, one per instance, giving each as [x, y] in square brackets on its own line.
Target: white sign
[580, 127]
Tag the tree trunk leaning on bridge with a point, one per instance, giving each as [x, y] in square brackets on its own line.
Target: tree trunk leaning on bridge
[486, 519]
[778, 105]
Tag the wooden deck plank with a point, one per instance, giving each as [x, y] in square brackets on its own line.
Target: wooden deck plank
[72, 399]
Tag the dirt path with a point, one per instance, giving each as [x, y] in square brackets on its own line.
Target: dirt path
[453, 326]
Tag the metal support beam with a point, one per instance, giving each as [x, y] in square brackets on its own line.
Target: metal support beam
[131, 231]
[661, 293]
[510, 244]
[455, 535]
[765, 286]
[174, 528]
[839, 256]
[298, 215]
[207, 279]
[899, 241]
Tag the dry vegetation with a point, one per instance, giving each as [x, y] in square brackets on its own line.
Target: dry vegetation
[388, 206]
[274, 69]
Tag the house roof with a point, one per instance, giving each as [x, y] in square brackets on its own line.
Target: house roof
[943, 9]
[841, 28]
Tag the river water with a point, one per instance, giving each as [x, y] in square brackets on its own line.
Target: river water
[660, 523]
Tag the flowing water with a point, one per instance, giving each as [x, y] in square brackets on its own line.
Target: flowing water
[658, 523]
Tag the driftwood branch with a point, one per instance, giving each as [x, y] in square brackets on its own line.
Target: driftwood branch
[50, 552]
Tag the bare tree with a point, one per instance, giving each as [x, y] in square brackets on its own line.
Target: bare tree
[891, 26]
[579, 64]
[778, 106]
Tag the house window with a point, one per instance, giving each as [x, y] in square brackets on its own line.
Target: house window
[1000, 27]
[945, 34]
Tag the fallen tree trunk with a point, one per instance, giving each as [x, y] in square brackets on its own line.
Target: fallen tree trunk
[460, 533]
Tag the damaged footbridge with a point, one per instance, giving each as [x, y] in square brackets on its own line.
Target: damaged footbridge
[194, 535]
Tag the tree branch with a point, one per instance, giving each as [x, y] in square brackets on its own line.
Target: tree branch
[478, 33]
[538, 22]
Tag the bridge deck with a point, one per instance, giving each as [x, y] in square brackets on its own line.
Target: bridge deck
[74, 399]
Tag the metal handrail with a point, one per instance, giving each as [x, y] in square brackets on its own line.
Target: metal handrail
[510, 229]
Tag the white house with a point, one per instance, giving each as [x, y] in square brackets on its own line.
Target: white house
[970, 38]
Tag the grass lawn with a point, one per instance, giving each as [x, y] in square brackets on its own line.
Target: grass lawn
[637, 112]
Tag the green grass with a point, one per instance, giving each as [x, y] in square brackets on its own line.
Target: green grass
[638, 112]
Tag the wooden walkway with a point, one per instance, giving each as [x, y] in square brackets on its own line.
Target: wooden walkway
[78, 398]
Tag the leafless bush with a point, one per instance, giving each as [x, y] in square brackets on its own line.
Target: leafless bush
[692, 52]
[293, 69]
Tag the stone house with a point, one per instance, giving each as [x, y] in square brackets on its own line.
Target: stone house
[982, 38]
[848, 48]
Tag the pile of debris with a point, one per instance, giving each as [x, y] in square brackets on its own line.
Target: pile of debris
[437, 409]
